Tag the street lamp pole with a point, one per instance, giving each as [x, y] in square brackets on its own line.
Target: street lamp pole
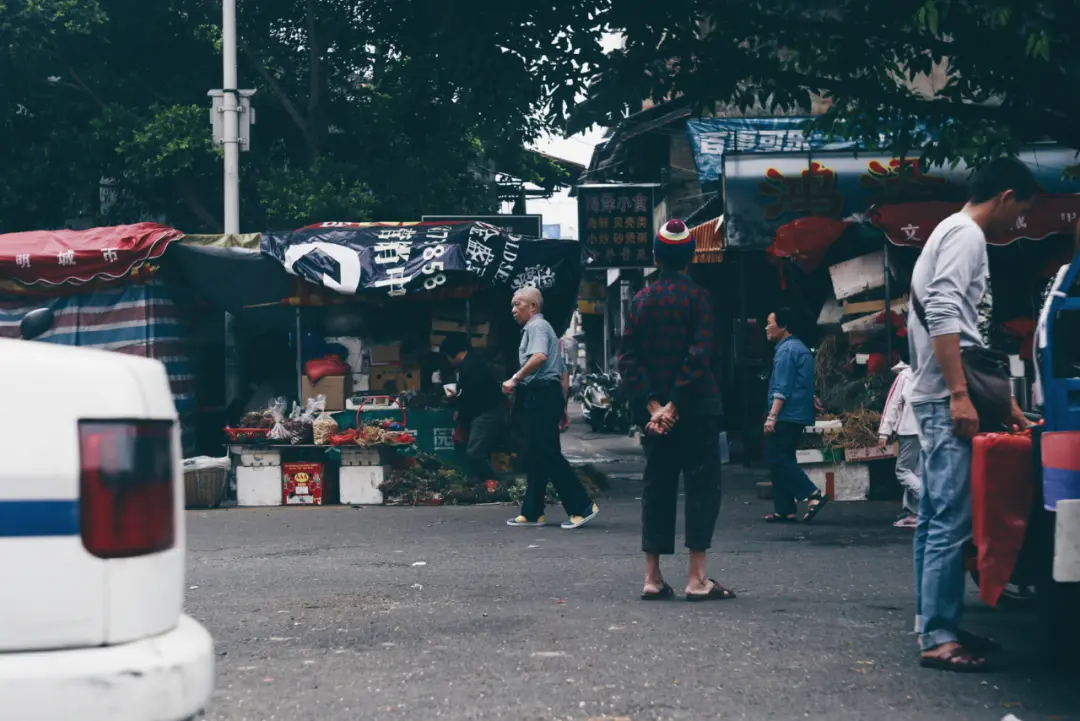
[231, 112]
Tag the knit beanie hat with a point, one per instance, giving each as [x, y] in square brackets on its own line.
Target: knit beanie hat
[674, 246]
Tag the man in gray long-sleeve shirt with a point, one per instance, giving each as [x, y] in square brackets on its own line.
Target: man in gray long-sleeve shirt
[949, 280]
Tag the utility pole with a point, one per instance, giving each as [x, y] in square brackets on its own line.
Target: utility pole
[231, 111]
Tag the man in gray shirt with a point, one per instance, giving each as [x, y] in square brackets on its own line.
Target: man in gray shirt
[542, 395]
[949, 280]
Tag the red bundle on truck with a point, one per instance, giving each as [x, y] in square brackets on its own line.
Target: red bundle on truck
[1002, 493]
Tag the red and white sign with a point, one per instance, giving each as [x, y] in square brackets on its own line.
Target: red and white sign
[912, 223]
[55, 257]
[302, 484]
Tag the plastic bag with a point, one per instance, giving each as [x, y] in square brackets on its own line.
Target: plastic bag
[324, 427]
[298, 428]
[278, 432]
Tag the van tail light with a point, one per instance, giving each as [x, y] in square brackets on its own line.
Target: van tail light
[126, 478]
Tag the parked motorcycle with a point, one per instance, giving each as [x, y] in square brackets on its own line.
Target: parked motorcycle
[603, 404]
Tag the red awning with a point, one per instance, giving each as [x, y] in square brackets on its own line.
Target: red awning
[55, 257]
[911, 223]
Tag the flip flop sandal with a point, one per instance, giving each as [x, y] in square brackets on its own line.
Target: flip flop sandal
[812, 511]
[958, 661]
[716, 593]
[905, 522]
[778, 518]
[663, 594]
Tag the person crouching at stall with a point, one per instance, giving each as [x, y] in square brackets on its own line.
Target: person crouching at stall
[666, 364]
[540, 381]
[899, 420]
[481, 406]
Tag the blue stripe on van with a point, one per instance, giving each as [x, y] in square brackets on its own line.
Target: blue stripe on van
[26, 519]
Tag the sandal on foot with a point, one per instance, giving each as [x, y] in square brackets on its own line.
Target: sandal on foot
[663, 594]
[779, 518]
[716, 593]
[817, 502]
[958, 661]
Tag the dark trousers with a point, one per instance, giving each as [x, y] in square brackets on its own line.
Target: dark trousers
[543, 411]
[692, 448]
[483, 432]
[789, 483]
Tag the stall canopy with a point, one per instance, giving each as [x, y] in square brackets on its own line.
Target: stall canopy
[911, 224]
[49, 258]
[764, 191]
[381, 262]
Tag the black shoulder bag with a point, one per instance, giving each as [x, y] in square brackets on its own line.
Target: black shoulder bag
[987, 374]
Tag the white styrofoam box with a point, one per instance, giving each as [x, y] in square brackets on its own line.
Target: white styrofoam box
[1067, 542]
[357, 456]
[356, 351]
[823, 426]
[809, 455]
[360, 484]
[849, 481]
[254, 458]
[258, 486]
[858, 275]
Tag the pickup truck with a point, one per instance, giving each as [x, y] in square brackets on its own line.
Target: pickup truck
[93, 540]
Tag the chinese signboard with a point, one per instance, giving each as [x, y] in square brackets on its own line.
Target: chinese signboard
[527, 226]
[711, 138]
[616, 223]
[763, 191]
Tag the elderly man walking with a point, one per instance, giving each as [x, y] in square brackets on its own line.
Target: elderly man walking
[540, 382]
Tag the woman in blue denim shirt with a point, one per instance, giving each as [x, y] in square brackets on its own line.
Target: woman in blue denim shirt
[791, 410]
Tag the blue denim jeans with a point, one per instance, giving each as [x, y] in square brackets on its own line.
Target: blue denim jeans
[944, 525]
[789, 482]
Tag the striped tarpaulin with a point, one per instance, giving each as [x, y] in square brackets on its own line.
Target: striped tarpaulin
[140, 320]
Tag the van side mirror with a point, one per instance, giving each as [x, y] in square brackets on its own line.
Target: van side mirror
[36, 323]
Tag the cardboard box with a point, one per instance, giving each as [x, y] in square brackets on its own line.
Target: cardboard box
[387, 378]
[411, 377]
[436, 339]
[441, 325]
[335, 388]
[385, 354]
[871, 453]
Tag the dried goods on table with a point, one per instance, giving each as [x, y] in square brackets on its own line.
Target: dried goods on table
[859, 430]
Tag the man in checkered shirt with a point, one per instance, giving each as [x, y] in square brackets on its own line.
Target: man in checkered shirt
[667, 365]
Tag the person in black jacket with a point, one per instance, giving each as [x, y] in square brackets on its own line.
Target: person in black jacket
[480, 402]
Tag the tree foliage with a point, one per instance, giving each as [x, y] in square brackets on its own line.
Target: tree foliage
[956, 79]
[365, 109]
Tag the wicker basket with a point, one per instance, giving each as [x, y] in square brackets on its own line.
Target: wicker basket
[205, 487]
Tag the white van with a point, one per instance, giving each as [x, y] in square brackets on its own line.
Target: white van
[92, 540]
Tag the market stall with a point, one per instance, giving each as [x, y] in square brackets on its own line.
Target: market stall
[346, 322]
[854, 276]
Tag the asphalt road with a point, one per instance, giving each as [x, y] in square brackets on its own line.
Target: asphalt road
[341, 614]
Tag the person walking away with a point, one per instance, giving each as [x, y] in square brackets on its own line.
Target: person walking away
[898, 420]
[540, 381]
[791, 410]
[949, 279]
[480, 403]
[666, 364]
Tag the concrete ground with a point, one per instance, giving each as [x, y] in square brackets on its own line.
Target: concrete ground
[337, 613]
